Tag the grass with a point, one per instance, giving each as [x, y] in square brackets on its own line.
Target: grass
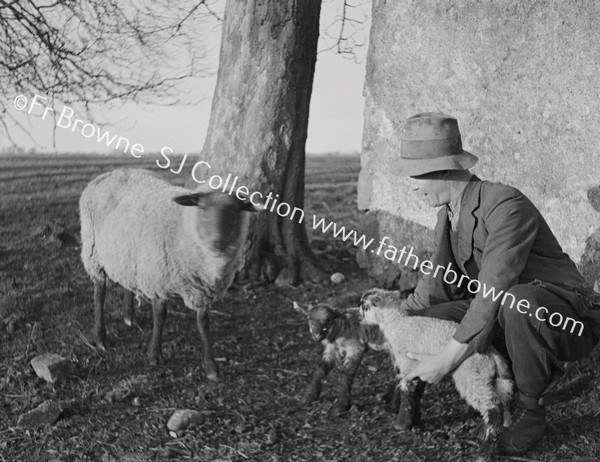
[117, 406]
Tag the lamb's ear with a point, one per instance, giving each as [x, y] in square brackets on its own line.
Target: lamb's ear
[190, 200]
[300, 309]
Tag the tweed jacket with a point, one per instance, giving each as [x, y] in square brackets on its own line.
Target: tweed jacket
[502, 241]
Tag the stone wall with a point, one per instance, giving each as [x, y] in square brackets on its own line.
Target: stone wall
[523, 80]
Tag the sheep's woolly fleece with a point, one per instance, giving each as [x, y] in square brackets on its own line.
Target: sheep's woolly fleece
[481, 379]
[133, 231]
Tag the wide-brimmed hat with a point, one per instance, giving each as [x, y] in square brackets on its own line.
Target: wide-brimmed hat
[431, 142]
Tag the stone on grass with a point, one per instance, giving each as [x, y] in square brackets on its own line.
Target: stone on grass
[51, 367]
[337, 278]
[183, 418]
[46, 413]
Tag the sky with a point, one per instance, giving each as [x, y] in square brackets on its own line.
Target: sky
[336, 114]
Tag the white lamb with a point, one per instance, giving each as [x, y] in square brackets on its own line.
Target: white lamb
[159, 241]
[483, 380]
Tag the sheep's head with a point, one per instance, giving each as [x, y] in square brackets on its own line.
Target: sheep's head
[368, 312]
[320, 319]
[219, 222]
[373, 300]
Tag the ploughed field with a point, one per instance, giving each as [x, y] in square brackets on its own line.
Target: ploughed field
[117, 406]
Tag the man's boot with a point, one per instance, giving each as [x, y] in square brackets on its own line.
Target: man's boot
[527, 426]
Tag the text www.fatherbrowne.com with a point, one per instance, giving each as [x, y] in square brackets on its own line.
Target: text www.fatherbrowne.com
[229, 185]
[408, 258]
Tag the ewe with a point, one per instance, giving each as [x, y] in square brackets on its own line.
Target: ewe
[158, 241]
[483, 380]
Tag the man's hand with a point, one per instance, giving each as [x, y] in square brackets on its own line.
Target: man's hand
[433, 368]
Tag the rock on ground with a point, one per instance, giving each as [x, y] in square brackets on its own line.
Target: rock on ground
[337, 278]
[46, 413]
[51, 367]
[183, 418]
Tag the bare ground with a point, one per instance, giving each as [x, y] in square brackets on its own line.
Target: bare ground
[117, 406]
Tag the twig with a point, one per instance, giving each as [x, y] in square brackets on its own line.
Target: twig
[521, 459]
[29, 341]
[85, 340]
[238, 451]
[220, 313]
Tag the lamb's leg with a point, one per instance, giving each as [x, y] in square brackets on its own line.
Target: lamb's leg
[128, 311]
[159, 314]
[409, 412]
[392, 398]
[349, 369]
[203, 322]
[99, 298]
[492, 419]
[479, 391]
[504, 388]
[313, 391]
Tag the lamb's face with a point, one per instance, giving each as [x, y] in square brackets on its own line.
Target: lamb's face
[369, 314]
[220, 221]
[320, 319]
[370, 303]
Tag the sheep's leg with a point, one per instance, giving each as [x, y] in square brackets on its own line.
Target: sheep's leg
[313, 391]
[210, 367]
[328, 360]
[492, 419]
[409, 412]
[480, 393]
[128, 311]
[349, 371]
[392, 398]
[159, 314]
[99, 298]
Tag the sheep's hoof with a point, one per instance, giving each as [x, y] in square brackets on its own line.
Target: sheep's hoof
[100, 337]
[155, 359]
[100, 342]
[310, 396]
[101, 347]
[403, 426]
[312, 393]
[405, 422]
[489, 446]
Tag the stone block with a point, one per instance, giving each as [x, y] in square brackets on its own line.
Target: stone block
[522, 80]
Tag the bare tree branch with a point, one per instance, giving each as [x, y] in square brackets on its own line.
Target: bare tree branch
[351, 26]
[98, 51]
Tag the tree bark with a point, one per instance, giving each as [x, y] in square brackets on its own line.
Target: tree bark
[258, 126]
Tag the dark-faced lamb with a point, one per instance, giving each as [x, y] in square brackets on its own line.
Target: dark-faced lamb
[158, 241]
[345, 340]
[483, 380]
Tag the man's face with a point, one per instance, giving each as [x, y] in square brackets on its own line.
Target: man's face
[434, 187]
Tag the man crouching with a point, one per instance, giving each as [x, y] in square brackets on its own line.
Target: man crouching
[492, 233]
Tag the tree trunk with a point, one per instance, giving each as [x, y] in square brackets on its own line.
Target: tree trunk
[258, 127]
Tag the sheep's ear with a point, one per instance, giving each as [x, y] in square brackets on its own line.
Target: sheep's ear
[256, 205]
[189, 200]
[248, 206]
[300, 309]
